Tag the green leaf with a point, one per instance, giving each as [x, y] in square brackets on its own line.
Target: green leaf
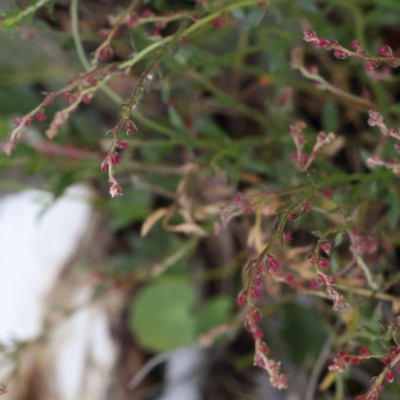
[161, 316]
[304, 332]
[330, 117]
[176, 119]
[338, 239]
[215, 312]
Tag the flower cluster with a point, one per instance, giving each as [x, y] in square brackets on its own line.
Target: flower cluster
[299, 159]
[253, 318]
[325, 280]
[386, 55]
[240, 206]
[376, 119]
[361, 244]
[390, 360]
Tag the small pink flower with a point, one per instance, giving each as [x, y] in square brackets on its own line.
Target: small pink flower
[385, 51]
[375, 118]
[241, 301]
[340, 54]
[389, 376]
[323, 263]
[122, 144]
[279, 381]
[370, 65]
[132, 21]
[106, 52]
[115, 159]
[326, 192]
[257, 334]
[290, 279]
[273, 263]
[104, 165]
[40, 116]
[363, 351]
[356, 45]
[338, 365]
[255, 293]
[288, 237]
[308, 207]
[147, 13]
[102, 33]
[86, 99]
[264, 348]
[326, 247]
[387, 360]
[355, 361]
[218, 22]
[115, 189]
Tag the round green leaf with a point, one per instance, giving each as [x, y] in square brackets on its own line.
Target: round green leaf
[161, 316]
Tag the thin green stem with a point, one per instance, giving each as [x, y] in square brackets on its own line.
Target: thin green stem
[76, 36]
[373, 285]
[24, 13]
